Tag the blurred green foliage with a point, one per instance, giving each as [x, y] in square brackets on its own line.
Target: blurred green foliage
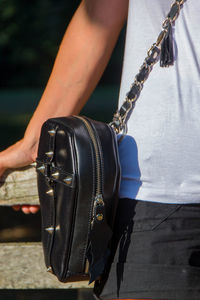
[30, 34]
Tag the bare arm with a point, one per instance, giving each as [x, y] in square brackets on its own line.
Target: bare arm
[82, 57]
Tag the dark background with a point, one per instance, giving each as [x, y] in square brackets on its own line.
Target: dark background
[30, 34]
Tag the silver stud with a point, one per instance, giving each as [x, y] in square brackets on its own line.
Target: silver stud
[49, 229]
[41, 169]
[99, 217]
[68, 180]
[50, 192]
[57, 227]
[55, 175]
[49, 269]
[49, 154]
[52, 132]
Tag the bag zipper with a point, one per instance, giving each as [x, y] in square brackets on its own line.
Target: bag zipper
[98, 193]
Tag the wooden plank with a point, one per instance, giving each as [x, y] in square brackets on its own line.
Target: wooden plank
[19, 187]
[22, 267]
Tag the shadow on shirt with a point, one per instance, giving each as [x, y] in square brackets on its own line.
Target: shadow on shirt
[130, 181]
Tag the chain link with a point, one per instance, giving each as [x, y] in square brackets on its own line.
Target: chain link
[120, 117]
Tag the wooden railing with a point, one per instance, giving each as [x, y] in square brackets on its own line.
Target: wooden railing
[22, 264]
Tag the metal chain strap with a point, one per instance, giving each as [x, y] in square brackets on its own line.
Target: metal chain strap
[120, 117]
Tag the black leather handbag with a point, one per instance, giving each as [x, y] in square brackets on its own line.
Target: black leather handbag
[78, 180]
[79, 174]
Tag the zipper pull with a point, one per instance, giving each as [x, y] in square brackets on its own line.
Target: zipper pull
[99, 200]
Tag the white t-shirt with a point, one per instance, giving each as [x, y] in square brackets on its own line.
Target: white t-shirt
[160, 156]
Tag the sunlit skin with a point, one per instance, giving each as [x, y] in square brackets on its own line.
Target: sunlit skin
[81, 60]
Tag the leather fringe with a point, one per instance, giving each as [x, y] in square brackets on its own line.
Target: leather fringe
[98, 249]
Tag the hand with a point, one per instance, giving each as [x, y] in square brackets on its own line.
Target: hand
[27, 209]
[16, 156]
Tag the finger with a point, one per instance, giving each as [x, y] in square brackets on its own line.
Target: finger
[33, 209]
[25, 209]
[16, 207]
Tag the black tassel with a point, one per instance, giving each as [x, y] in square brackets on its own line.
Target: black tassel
[98, 250]
[167, 52]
